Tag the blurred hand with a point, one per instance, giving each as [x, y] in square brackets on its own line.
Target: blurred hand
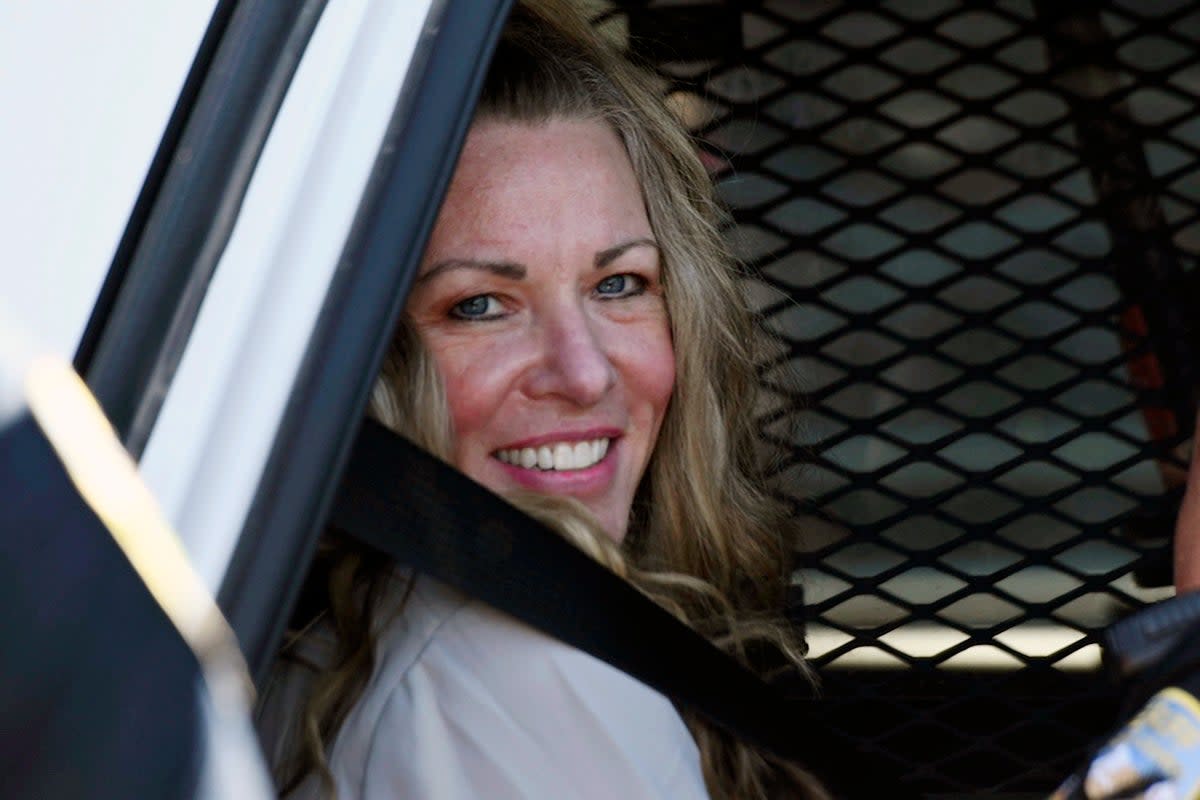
[1155, 757]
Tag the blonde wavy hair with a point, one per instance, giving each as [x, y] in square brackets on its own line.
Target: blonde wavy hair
[705, 540]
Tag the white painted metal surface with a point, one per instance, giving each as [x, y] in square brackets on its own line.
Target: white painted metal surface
[86, 90]
[210, 444]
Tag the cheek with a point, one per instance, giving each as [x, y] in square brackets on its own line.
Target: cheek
[474, 383]
[652, 372]
[468, 401]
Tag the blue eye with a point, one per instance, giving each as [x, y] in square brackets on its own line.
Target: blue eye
[481, 306]
[624, 285]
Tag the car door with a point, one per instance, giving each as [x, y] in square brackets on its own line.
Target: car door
[87, 92]
[234, 335]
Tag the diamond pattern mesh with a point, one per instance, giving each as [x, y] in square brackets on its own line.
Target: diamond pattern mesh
[972, 229]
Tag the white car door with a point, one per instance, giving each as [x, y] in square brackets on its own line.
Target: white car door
[232, 330]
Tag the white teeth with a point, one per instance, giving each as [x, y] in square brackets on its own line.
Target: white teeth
[562, 456]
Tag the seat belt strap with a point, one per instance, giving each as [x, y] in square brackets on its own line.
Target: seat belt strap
[402, 501]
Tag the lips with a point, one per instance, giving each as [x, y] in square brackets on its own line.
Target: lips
[557, 456]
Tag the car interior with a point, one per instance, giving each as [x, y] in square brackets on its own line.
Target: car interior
[976, 269]
[970, 232]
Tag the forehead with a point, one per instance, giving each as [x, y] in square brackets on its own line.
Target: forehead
[520, 181]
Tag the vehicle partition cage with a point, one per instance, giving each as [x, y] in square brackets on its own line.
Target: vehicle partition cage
[972, 231]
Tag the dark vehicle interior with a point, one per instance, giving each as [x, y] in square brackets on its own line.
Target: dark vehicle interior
[973, 231]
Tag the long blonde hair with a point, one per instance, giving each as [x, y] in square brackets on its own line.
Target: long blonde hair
[705, 539]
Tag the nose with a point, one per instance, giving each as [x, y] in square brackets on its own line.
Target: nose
[574, 363]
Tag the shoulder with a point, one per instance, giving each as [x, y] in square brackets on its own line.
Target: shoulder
[463, 690]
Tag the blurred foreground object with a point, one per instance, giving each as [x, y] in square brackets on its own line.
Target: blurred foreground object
[1156, 753]
[118, 676]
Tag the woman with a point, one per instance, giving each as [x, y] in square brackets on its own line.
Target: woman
[575, 341]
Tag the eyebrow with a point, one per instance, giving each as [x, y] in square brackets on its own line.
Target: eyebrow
[516, 272]
[606, 257]
[505, 269]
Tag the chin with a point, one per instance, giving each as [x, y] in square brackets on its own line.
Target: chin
[614, 528]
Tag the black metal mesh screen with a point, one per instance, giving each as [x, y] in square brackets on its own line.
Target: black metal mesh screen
[972, 228]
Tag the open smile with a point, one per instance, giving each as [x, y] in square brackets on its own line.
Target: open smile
[557, 456]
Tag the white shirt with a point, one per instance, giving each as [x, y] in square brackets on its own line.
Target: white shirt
[466, 702]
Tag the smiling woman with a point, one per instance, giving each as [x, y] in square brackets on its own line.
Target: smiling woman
[541, 304]
[575, 341]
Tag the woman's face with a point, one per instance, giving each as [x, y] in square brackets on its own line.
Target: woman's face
[540, 300]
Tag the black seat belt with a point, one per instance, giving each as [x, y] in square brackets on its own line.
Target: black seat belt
[407, 504]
